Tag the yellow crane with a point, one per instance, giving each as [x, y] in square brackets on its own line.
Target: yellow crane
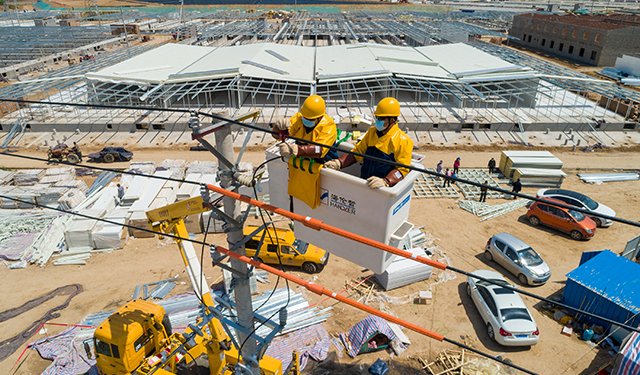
[137, 338]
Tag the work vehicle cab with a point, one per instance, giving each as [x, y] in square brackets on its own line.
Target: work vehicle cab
[292, 252]
[579, 226]
[130, 335]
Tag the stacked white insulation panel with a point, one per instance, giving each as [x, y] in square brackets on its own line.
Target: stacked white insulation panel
[215, 226]
[205, 167]
[6, 177]
[136, 187]
[531, 163]
[137, 210]
[73, 184]
[79, 232]
[533, 177]
[56, 175]
[505, 155]
[108, 235]
[71, 199]
[189, 190]
[403, 271]
[28, 177]
[140, 167]
[177, 167]
[21, 193]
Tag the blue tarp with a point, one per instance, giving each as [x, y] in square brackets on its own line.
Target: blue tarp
[360, 334]
[630, 357]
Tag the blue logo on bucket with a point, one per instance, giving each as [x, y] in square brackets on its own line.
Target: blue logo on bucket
[404, 201]
[324, 196]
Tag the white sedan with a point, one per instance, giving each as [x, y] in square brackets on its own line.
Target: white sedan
[507, 318]
[573, 198]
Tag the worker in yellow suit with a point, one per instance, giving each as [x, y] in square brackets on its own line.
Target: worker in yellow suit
[386, 141]
[313, 124]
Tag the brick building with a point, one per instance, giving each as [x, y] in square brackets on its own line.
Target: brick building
[591, 39]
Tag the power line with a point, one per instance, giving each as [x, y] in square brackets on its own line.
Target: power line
[380, 160]
[220, 249]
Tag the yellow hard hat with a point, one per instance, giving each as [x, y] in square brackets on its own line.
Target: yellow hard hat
[388, 107]
[313, 107]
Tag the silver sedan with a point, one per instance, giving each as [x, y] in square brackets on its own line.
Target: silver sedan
[507, 318]
[518, 258]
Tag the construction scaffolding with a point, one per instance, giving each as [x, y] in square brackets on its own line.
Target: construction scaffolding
[407, 55]
[20, 44]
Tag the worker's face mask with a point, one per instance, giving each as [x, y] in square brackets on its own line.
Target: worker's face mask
[379, 124]
[308, 123]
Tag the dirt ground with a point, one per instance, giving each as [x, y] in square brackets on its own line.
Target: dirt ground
[109, 279]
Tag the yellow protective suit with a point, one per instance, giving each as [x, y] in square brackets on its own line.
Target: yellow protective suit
[395, 146]
[304, 180]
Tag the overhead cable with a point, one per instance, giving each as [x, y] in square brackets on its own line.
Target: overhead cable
[315, 288]
[380, 160]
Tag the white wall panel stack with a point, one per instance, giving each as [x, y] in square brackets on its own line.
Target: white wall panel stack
[137, 210]
[215, 226]
[135, 190]
[108, 235]
[60, 171]
[140, 167]
[403, 271]
[20, 193]
[28, 177]
[189, 190]
[78, 234]
[73, 184]
[71, 199]
[166, 196]
[177, 167]
[150, 192]
[208, 167]
[6, 177]
[139, 219]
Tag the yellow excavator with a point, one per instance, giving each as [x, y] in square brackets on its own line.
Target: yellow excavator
[137, 338]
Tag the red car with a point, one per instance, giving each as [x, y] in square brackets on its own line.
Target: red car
[573, 222]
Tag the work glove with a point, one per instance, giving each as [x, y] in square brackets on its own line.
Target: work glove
[333, 164]
[376, 182]
[281, 125]
[288, 149]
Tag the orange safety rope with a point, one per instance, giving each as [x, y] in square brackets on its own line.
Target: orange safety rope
[319, 225]
[317, 289]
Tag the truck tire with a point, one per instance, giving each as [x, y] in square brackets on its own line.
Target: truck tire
[73, 158]
[109, 158]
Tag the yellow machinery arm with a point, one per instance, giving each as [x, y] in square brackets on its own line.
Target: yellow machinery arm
[169, 219]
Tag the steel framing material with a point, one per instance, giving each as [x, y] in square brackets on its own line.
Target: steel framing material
[20, 44]
[552, 97]
[479, 176]
[429, 186]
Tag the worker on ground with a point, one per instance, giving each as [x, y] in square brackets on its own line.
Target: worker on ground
[76, 150]
[517, 186]
[312, 124]
[483, 191]
[120, 193]
[492, 165]
[384, 141]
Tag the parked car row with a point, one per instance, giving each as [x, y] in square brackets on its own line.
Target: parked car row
[507, 319]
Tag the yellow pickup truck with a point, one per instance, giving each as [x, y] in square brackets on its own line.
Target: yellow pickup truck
[283, 243]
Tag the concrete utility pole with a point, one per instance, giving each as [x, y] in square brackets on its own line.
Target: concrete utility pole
[242, 289]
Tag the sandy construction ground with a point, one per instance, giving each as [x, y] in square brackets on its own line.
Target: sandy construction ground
[109, 279]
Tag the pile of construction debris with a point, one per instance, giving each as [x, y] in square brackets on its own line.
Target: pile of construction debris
[459, 362]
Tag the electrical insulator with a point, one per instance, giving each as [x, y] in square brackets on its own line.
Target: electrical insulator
[206, 195]
[283, 317]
